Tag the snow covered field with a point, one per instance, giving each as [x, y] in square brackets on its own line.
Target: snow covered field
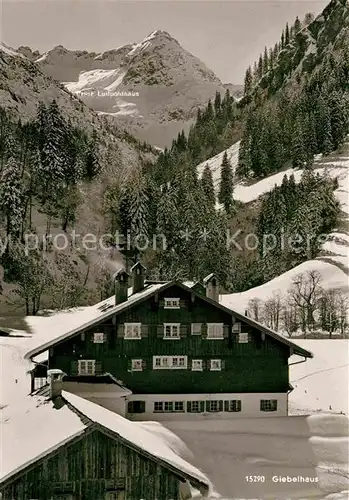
[322, 383]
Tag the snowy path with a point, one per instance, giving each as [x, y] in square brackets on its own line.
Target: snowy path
[232, 451]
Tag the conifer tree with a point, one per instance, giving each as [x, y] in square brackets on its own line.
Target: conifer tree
[226, 184]
[207, 186]
[287, 35]
[11, 197]
[297, 25]
[248, 81]
[265, 61]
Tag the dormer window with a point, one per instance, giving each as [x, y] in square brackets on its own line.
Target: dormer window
[132, 331]
[171, 303]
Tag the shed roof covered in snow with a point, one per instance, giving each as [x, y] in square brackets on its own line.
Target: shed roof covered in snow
[36, 426]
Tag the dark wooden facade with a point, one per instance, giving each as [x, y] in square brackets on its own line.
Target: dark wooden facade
[94, 466]
[261, 365]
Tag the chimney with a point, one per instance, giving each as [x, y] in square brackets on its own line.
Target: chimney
[138, 275]
[120, 286]
[212, 287]
[55, 381]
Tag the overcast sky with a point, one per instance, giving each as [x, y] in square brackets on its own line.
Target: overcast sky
[226, 35]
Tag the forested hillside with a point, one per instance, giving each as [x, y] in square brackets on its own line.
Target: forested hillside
[295, 106]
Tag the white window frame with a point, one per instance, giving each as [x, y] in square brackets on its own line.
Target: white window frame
[98, 338]
[136, 365]
[85, 363]
[168, 363]
[175, 407]
[132, 331]
[196, 365]
[172, 303]
[235, 405]
[197, 406]
[215, 365]
[215, 331]
[243, 338]
[196, 326]
[172, 327]
[168, 406]
[236, 328]
[161, 406]
[39, 382]
[268, 405]
[214, 402]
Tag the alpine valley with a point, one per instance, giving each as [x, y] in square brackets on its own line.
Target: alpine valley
[76, 157]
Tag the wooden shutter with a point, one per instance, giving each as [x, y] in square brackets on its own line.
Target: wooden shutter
[226, 331]
[189, 406]
[74, 368]
[220, 405]
[144, 364]
[207, 405]
[226, 405]
[120, 329]
[183, 331]
[144, 330]
[204, 330]
[98, 368]
[202, 406]
[160, 331]
[222, 364]
[141, 406]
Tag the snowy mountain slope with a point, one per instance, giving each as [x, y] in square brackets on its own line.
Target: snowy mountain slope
[333, 263]
[163, 84]
[327, 369]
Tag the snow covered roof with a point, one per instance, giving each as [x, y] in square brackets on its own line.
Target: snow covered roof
[62, 325]
[36, 426]
[65, 325]
[101, 386]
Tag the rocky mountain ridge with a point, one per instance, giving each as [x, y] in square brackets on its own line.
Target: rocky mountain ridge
[154, 88]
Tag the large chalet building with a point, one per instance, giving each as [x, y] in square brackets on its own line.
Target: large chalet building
[170, 350]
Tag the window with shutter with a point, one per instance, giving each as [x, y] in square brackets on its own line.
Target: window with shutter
[170, 362]
[136, 365]
[215, 331]
[195, 406]
[196, 365]
[215, 405]
[86, 367]
[171, 303]
[268, 405]
[236, 327]
[215, 365]
[243, 338]
[98, 338]
[132, 331]
[196, 328]
[158, 406]
[172, 330]
[233, 405]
